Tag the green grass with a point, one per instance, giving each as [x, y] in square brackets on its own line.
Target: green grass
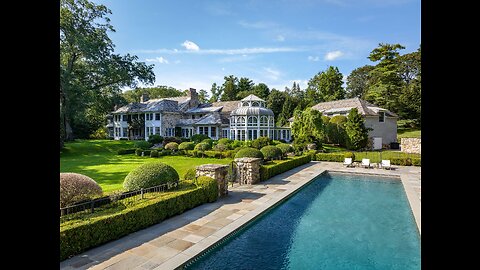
[98, 159]
[408, 133]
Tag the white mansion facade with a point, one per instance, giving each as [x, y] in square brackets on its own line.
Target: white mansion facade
[246, 119]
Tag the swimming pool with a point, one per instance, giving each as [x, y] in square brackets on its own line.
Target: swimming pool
[338, 221]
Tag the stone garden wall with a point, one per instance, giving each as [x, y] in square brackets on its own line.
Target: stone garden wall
[411, 145]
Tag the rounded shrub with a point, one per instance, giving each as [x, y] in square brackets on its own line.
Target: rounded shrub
[154, 153]
[285, 148]
[186, 146]
[209, 142]
[172, 146]
[198, 138]
[271, 152]
[220, 147]
[75, 187]
[168, 140]
[155, 138]
[249, 152]
[202, 147]
[225, 141]
[190, 174]
[236, 144]
[138, 151]
[142, 144]
[261, 142]
[149, 175]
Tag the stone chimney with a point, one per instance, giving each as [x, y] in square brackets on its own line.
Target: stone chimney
[144, 97]
[192, 93]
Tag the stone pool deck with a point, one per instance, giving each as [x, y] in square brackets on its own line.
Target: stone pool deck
[173, 242]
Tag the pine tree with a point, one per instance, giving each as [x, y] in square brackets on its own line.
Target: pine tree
[357, 133]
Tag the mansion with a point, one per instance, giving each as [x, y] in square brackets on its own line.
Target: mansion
[246, 119]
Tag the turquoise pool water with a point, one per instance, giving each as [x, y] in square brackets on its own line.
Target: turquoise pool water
[338, 221]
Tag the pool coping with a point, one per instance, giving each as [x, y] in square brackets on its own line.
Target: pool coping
[270, 193]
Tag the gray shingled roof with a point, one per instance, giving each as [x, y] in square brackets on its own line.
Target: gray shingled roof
[345, 105]
[155, 105]
[204, 109]
[252, 111]
[210, 119]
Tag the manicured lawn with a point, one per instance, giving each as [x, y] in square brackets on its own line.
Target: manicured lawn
[409, 133]
[98, 159]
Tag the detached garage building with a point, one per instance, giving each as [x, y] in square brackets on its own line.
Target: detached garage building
[382, 121]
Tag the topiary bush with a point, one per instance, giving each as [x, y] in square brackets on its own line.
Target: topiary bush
[249, 152]
[202, 147]
[142, 144]
[261, 142]
[155, 138]
[75, 187]
[271, 152]
[172, 146]
[138, 152]
[350, 155]
[236, 144]
[126, 151]
[225, 141]
[154, 153]
[168, 140]
[197, 138]
[209, 142]
[190, 174]
[220, 147]
[149, 175]
[186, 146]
[285, 148]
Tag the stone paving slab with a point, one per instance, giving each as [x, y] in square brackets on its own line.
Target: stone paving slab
[173, 242]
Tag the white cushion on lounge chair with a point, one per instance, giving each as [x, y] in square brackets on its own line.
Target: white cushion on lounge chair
[386, 163]
[366, 162]
[348, 161]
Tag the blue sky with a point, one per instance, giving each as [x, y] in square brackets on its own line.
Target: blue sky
[196, 43]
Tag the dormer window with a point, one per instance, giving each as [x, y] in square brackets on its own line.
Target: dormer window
[381, 117]
[254, 104]
[245, 104]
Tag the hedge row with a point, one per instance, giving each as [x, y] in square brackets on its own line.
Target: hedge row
[88, 233]
[406, 161]
[268, 171]
[330, 157]
[126, 151]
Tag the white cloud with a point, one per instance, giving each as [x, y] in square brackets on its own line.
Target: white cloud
[177, 61]
[258, 50]
[280, 38]
[313, 58]
[333, 55]
[160, 60]
[190, 46]
[258, 25]
[271, 73]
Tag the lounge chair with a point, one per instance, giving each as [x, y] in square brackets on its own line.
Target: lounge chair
[386, 164]
[366, 162]
[348, 162]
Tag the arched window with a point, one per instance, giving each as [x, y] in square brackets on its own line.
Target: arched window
[252, 121]
[255, 104]
[271, 122]
[263, 121]
[245, 104]
[241, 121]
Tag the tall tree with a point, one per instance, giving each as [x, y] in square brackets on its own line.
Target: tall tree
[216, 93]
[159, 91]
[357, 133]
[326, 86]
[410, 98]
[203, 96]
[261, 90]
[275, 101]
[358, 82]
[229, 88]
[386, 83]
[287, 110]
[245, 87]
[90, 71]
[308, 128]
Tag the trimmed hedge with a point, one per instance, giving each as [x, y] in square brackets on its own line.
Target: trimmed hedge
[88, 233]
[198, 138]
[202, 146]
[126, 151]
[171, 146]
[249, 152]
[336, 157]
[149, 175]
[142, 144]
[286, 148]
[268, 171]
[154, 153]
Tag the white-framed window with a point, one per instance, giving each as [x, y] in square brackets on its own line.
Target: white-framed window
[252, 121]
[381, 117]
[242, 133]
[157, 117]
[255, 104]
[125, 132]
[245, 104]
[263, 121]
[241, 121]
[213, 131]
[170, 132]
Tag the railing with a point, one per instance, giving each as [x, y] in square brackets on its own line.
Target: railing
[129, 196]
